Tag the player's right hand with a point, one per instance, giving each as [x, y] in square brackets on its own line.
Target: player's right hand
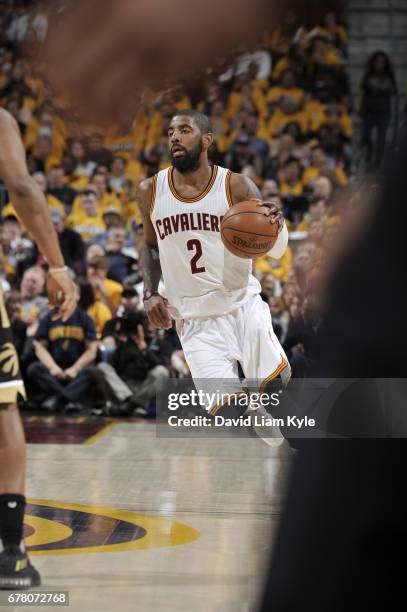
[156, 310]
[61, 292]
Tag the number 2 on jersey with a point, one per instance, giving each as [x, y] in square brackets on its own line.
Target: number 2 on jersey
[195, 245]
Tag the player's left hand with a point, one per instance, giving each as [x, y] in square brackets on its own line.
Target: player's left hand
[275, 211]
[61, 293]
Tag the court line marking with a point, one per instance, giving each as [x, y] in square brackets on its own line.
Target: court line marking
[161, 532]
[102, 432]
[47, 531]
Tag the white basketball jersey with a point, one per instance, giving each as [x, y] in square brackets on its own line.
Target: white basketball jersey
[201, 277]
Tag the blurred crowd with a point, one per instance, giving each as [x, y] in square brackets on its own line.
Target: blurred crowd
[281, 114]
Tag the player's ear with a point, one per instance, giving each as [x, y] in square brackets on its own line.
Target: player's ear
[207, 140]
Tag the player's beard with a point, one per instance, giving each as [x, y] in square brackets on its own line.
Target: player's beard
[190, 161]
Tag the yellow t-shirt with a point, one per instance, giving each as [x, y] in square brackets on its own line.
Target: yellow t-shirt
[279, 120]
[100, 315]
[312, 172]
[114, 292]
[88, 227]
[276, 93]
[235, 100]
[293, 190]
[108, 200]
[53, 202]
[278, 267]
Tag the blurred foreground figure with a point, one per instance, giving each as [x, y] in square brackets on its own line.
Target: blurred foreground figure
[117, 50]
[344, 520]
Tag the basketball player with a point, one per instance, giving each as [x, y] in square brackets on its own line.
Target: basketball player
[16, 571]
[221, 319]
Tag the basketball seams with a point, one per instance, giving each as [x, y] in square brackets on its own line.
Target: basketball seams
[236, 231]
[246, 232]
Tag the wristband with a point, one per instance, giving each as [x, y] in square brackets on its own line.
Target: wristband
[60, 269]
[149, 294]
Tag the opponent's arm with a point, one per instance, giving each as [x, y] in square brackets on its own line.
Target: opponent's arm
[154, 304]
[31, 207]
[243, 188]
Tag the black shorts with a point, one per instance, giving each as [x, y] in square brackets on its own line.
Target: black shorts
[11, 383]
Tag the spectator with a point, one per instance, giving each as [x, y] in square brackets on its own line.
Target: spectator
[289, 117]
[286, 87]
[134, 373]
[378, 88]
[107, 291]
[118, 181]
[96, 310]
[316, 232]
[257, 135]
[64, 350]
[302, 265]
[113, 218]
[70, 242]
[269, 189]
[60, 188]
[322, 189]
[120, 264]
[270, 285]
[23, 333]
[316, 212]
[241, 155]
[291, 188]
[40, 155]
[16, 83]
[19, 327]
[94, 250]
[33, 302]
[88, 221]
[19, 253]
[107, 198]
[97, 152]
[320, 165]
[83, 167]
[279, 316]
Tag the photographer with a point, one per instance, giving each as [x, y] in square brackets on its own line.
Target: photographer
[134, 372]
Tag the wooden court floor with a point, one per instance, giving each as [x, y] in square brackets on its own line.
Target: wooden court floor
[124, 520]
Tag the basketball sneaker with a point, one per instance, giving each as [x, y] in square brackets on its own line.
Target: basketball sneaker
[16, 571]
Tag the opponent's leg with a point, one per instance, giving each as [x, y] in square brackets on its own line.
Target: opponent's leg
[16, 571]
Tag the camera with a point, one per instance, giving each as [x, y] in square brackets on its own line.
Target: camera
[129, 322]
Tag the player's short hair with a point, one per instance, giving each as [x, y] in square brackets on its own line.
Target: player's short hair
[201, 120]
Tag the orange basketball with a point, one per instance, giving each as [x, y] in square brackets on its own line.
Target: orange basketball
[246, 231]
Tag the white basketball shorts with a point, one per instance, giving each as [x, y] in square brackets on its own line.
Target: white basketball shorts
[213, 346]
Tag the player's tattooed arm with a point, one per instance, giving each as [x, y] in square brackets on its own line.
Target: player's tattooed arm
[243, 188]
[154, 304]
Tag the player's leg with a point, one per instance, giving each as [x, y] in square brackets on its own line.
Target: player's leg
[264, 362]
[16, 572]
[211, 352]
[263, 357]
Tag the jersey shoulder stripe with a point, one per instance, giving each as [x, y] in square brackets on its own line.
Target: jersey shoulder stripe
[228, 190]
[153, 194]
